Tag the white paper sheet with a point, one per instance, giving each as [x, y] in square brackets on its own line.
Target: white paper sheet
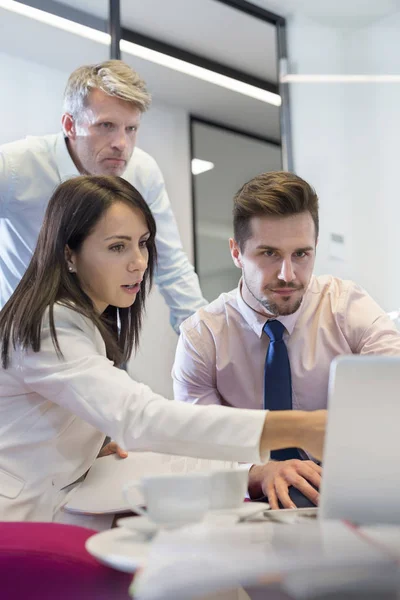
[101, 491]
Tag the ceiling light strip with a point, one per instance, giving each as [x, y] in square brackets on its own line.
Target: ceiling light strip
[292, 78]
[55, 21]
[200, 73]
[143, 52]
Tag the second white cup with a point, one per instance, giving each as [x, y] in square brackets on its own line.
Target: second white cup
[228, 488]
[171, 500]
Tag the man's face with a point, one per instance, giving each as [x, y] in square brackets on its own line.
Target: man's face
[103, 138]
[277, 262]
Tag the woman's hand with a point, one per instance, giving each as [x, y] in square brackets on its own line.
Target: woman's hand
[294, 429]
[312, 434]
[112, 448]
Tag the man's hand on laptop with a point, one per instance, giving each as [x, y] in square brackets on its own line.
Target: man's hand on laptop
[274, 479]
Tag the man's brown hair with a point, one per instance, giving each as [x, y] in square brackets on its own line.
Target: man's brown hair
[274, 194]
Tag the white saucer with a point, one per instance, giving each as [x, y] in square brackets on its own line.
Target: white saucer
[292, 515]
[223, 516]
[245, 510]
[119, 548]
[142, 524]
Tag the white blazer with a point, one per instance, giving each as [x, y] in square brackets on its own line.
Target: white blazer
[55, 411]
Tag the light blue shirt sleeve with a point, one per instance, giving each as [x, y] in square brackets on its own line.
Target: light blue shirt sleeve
[175, 276]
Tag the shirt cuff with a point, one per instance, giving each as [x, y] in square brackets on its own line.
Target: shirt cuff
[247, 466]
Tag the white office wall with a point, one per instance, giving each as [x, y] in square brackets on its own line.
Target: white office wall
[346, 144]
[318, 129]
[375, 155]
[30, 104]
[30, 98]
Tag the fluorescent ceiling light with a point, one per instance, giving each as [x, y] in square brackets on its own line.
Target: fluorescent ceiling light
[201, 166]
[142, 52]
[55, 21]
[205, 74]
[340, 78]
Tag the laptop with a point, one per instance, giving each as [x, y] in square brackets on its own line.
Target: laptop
[361, 480]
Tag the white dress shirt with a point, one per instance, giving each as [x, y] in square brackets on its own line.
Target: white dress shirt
[55, 411]
[222, 348]
[31, 169]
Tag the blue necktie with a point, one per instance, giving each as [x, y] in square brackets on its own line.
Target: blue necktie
[278, 380]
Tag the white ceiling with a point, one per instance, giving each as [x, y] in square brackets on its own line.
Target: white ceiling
[334, 13]
[205, 27]
[246, 43]
[31, 40]
[182, 23]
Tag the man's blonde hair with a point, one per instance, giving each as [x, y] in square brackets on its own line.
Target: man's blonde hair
[273, 194]
[113, 77]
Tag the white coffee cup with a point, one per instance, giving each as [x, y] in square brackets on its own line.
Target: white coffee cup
[228, 488]
[171, 500]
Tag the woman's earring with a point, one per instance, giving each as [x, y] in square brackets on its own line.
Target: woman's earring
[70, 268]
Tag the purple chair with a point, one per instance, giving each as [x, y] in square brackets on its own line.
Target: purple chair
[48, 561]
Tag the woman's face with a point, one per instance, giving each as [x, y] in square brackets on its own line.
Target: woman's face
[113, 259]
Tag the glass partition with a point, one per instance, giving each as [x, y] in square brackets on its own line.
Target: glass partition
[222, 161]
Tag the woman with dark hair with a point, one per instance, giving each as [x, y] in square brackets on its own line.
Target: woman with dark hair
[74, 317]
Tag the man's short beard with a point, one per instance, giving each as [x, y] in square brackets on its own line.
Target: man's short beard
[272, 307]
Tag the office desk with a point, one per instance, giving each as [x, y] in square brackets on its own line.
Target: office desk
[49, 560]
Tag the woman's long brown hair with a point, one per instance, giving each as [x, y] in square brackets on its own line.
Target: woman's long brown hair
[72, 213]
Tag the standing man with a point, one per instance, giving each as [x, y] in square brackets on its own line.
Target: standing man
[103, 105]
[270, 342]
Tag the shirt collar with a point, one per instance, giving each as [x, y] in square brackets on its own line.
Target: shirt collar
[65, 164]
[257, 321]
